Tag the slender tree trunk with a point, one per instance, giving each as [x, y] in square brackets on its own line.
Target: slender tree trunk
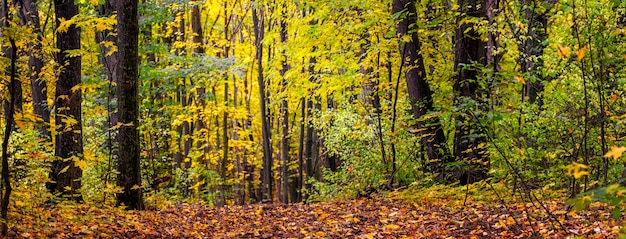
[301, 146]
[284, 111]
[109, 61]
[471, 54]
[432, 137]
[65, 175]
[129, 164]
[266, 173]
[9, 111]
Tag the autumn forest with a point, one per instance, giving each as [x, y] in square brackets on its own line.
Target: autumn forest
[313, 119]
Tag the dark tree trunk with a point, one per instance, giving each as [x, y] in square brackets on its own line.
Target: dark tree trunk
[470, 54]
[129, 165]
[65, 175]
[29, 16]
[420, 95]
[9, 112]
[284, 114]
[531, 46]
[301, 156]
[266, 172]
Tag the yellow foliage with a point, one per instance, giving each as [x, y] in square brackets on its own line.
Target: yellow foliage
[577, 170]
[615, 152]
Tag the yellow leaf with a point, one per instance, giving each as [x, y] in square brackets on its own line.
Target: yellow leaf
[615, 152]
[64, 169]
[64, 25]
[581, 53]
[392, 227]
[520, 79]
[577, 170]
[320, 234]
[82, 164]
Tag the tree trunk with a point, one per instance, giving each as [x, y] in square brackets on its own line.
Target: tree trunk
[432, 136]
[266, 173]
[65, 175]
[129, 164]
[531, 46]
[470, 54]
[284, 111]
[301, 146]
[9, 111]
[29, 16]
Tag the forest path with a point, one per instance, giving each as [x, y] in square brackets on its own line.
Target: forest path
[363, 218]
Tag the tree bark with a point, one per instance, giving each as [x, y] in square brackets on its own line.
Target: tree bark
[470, 54]
[284, 112]
[432, 136]
[129, 164]
[9, 111]
[531, 47]
[266, 172]
[29, 16]
[65, 175]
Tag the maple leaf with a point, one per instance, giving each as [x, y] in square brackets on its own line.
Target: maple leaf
[615, 152]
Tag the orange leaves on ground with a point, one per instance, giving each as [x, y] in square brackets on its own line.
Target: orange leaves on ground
[377, 218]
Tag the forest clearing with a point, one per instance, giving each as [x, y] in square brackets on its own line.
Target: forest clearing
[313, 119]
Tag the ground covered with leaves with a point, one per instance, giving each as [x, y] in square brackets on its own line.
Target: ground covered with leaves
[360, 218]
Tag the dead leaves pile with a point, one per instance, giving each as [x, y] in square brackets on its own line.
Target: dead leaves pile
[371, 218]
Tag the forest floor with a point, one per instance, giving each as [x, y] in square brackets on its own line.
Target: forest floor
[378, 217]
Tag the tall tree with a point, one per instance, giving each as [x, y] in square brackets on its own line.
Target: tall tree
[532, 45]
[29, 15]
[432, 137]
[65, 175]
[266, 172]
[129, 165]
[9, 111]
[470, 56]
[284, 113]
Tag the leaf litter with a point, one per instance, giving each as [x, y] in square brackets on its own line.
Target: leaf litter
[360, 218]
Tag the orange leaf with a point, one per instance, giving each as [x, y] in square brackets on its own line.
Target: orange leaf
[520, 79]
[581, 53]
[563, 52]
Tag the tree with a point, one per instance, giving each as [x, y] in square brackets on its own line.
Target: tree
[9, 111]
[470, 55]
[532, 45]
[129, 164]
[29, 15]
[266, 173]
[65, 175]
[420, 95]
[284, 115]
